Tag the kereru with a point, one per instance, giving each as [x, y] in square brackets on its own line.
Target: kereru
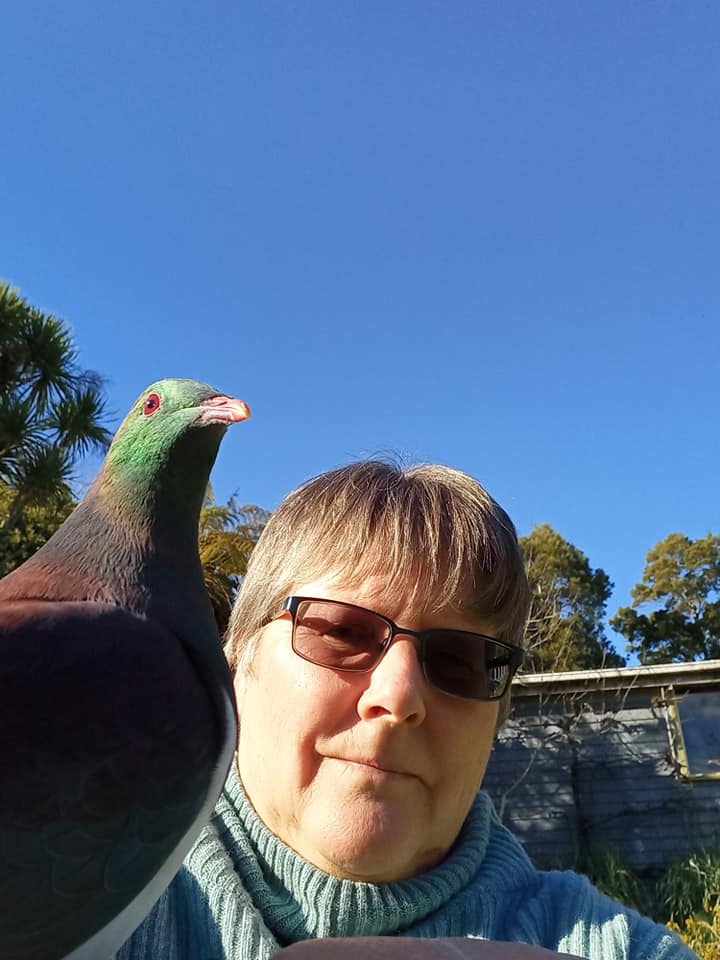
[117, 717]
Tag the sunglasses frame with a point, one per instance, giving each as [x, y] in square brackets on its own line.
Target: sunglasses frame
[516, 654]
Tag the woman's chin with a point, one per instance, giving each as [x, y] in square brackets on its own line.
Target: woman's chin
[383, 856]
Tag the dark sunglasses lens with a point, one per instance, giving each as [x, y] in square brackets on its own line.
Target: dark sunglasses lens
[338, 636]
[467, 665]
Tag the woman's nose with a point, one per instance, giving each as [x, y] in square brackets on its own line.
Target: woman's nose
[396, 688]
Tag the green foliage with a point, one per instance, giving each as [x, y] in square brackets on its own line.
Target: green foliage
[690, 886]
[227, 536]
[565, 630]
[51, 410]
[700, 934]
[37, 524]
[690, 893]
[681, 581]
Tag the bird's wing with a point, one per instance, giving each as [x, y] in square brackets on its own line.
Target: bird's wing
[109, 741]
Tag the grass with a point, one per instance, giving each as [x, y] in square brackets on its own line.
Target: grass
[691, 886]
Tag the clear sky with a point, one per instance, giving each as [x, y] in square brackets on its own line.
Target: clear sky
[480, 233]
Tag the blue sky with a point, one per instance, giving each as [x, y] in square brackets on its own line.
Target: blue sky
[484, 234]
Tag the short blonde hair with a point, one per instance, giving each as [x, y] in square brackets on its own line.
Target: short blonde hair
[430, 528]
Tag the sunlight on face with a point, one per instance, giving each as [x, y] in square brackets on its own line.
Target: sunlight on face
[368, 776]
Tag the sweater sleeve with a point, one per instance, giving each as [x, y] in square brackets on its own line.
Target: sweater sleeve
[576, 918]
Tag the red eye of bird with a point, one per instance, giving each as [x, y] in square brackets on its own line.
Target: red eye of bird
[151, 405]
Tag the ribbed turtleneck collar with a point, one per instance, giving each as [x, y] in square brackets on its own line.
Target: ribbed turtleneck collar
[297, 900]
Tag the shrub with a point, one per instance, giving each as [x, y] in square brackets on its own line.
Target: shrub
[691, 886]
[702, 935]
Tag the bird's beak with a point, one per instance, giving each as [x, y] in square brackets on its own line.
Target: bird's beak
[223, 410]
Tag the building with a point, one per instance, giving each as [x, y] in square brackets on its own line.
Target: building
[626, 760]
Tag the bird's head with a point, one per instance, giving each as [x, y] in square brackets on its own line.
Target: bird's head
[168, 412]
[136, 529]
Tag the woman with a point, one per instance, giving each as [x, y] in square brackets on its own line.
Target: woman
[373, 644]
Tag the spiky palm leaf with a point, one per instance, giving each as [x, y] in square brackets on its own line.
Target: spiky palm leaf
[50, 359]
[77, 421]
[12, 348]
[51, 411]
[227, 535]
[19, 431]
[42, 475]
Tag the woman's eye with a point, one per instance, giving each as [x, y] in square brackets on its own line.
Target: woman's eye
[341, 633]
[451, 664]
[323, 628]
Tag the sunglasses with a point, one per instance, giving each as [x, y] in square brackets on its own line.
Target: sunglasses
[344, 637]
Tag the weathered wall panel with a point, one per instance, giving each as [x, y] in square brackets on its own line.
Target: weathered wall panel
[572, 774]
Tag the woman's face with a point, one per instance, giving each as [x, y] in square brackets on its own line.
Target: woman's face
[368, 776]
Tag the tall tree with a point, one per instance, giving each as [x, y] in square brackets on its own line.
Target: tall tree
[681, 586]
[565, 629]
[36, 525]
[228, 534]
[51, 410]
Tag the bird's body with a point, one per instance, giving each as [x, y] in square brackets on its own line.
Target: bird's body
[117, 721]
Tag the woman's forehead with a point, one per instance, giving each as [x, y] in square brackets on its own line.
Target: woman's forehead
[363, 590]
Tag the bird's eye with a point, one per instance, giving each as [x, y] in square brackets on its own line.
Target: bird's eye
[152, 403]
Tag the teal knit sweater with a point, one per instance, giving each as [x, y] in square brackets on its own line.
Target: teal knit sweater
[242, 895]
